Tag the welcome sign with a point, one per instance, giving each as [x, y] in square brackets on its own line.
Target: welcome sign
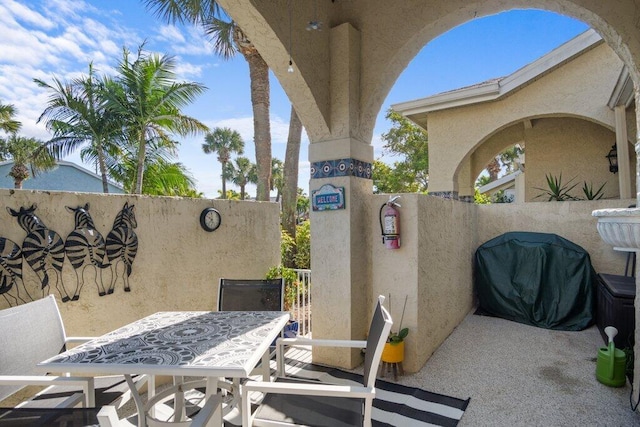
[327, 197]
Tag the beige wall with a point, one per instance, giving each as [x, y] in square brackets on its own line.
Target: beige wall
[178, 264]
[571, 220]
[577, 149]
[433, 269]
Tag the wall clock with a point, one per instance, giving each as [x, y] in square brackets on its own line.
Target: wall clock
[210, 219]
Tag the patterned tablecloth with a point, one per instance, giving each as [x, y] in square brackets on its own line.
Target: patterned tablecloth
[225, 344]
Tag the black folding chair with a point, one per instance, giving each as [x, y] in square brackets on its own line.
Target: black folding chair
[251, 295]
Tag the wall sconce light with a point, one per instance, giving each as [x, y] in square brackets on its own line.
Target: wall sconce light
[613, 159]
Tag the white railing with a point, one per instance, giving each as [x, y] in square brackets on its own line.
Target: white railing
[301, 307]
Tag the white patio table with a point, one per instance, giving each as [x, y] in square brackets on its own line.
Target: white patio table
[184, 343]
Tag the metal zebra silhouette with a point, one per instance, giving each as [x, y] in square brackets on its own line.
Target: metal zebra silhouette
[85, 247]
[42, 248]
[122, 246]
[11, 273]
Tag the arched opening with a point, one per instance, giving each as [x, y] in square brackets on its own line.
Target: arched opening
[570, 150]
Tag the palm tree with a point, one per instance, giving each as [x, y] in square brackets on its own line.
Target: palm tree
[162, 176]
[509, 157]
[225, 142]
[290, 175]
[228, 39]
[241, 173]
[493, 168]
[28, 157]
[7, 123]
[277, 178]
[76, 115]
[148, 100]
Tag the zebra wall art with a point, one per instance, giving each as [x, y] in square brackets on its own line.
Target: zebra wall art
[85, 247]
[42, 248]
[122, 246]
[11, 273]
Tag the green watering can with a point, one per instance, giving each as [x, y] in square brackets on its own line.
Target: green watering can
[612, 362]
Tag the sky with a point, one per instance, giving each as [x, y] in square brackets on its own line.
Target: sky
[59, 38]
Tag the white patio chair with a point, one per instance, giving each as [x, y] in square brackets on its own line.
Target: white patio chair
[31, 333]
[293, 402]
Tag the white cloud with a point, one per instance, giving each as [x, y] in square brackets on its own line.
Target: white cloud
[25, 14]
[171, 34]
[243, 125]
[183, 40]
[71, 8]
[186, 71]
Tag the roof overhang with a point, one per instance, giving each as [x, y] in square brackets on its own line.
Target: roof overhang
[623, 91]
[417, 110]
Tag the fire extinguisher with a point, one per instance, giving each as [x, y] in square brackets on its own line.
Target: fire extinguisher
[390, 223]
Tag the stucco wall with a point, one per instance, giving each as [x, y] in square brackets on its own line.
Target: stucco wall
[433, 269]
[178, 264]
[577, 149]
[571, 220]
[434, 266]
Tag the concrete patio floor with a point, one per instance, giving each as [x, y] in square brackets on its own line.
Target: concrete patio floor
[516, 375]
[519, 375]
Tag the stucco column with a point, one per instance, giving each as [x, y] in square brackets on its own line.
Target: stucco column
[466, 188]
[341, 265]
[624, 172]
[340, 238]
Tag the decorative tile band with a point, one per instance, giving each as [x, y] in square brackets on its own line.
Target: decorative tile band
[341, 167]
[452, 195]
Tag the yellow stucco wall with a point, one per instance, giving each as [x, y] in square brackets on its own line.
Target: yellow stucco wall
[178, 264]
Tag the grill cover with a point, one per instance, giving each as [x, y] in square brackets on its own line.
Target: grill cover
[538, 279]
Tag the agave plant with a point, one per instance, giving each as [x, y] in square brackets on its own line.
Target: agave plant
[557, 191]
[587, 189]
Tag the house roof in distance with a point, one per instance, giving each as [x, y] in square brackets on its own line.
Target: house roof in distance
[66, 176]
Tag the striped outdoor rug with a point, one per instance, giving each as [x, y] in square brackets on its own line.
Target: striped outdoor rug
[395, 405]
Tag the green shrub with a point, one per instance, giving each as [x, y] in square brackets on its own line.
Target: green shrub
[303, 245]
[290, 283]
[287, 248]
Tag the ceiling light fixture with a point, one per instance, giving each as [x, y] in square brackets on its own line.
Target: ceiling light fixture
[290, 69]
[315, 23]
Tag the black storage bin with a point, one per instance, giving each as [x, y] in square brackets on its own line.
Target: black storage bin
[615, 307]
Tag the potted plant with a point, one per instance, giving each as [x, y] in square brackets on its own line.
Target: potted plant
[393, 351]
